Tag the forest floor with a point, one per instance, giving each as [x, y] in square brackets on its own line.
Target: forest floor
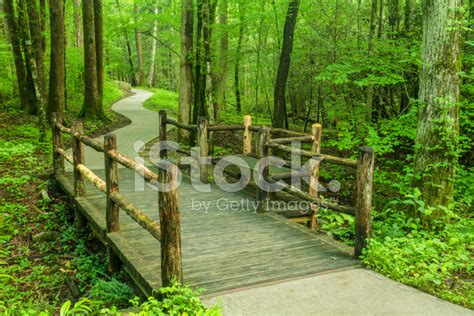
[44, 259]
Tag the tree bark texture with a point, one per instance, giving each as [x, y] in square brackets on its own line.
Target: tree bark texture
[438, 122]
[186, 67]
[56, 98]
[279, 111]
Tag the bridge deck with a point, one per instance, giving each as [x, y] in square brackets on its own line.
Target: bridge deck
[222, 249]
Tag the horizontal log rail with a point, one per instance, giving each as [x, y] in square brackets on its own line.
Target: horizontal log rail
[110, 186]
[62, 128]
[91, 177]
[309, 154]
[189, 127]
[65, 155]
[288, 140]
[146, 173]
[321, 202]
[223, 128]
[138, 216]
[94, 144]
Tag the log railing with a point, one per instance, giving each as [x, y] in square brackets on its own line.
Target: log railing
[363, 166]
[115, 201]
[364, 176]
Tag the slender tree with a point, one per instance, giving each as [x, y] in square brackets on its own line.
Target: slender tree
[78, 38]
[438, 124]
[99, 48]
[154, 43]
[14, 36]
[186, 66]
[279, 111]
[57, 65]
[34, 45]
[220, 75]
[370, 49]
[92, 104]
[238, 101]
[139, 45]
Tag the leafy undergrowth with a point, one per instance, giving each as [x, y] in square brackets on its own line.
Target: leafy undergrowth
[44, 260]
[46, 264]
[163, 100]
[113, 92]
[433, 251]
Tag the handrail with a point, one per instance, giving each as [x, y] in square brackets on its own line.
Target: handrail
[222, 128]
[288, 140]
[189, 127]
[309, 154]
[96, 145]
[146, 173]
[137, 215]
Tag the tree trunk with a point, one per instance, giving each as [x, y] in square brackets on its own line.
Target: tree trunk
[407, 22]
[370, 48]
[57, 64]
[78, 24]
[186, 67]
[91, 107]
[380, 20]
[152, 74]
[394, 18]
[279, 111]
[199, 75]
[238, 102]
[34, 43]
[438, 123]
[133, 79]
[99, 48]
[219, 82]
[139, 46]
[42, 23]
[14, 35]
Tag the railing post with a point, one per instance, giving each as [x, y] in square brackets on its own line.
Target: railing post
[203, 147]
[58, 160]
[316, 131]
[163, 136]
[78, 158]
[111, 187]
[247, 139]
[263, 195]
[365, 172]
[171, 262]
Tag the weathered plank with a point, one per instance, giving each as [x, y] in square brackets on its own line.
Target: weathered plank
[221, 250]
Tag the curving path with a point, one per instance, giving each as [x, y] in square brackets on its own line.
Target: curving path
[143, 128]
[345, 291]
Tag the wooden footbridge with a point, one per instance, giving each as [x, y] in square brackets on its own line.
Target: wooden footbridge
[214, 240]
